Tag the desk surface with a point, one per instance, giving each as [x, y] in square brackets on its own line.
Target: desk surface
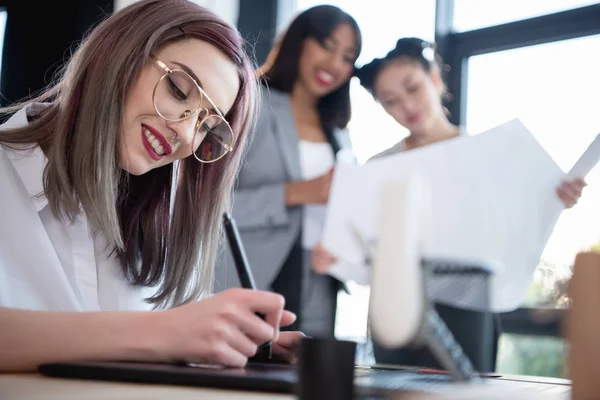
[37, 387]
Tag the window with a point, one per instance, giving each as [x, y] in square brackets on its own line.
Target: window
[553, 89]
[475, 14]
[528, 355]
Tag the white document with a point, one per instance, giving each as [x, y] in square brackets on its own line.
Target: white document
[588, 160]
[493, 198]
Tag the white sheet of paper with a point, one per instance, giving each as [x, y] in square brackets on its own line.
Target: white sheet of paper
[588, 160]
[493, 198]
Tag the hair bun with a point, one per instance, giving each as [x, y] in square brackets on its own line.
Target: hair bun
[410, 46]
[413, 47]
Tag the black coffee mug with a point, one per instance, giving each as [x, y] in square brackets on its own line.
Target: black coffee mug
[326, 369]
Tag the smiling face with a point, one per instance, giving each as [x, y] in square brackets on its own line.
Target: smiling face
[324, 67]
[148, 139]
[410, 94]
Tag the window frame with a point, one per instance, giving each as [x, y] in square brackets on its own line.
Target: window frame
[456, 47]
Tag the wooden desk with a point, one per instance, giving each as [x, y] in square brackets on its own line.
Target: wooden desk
[38, 387]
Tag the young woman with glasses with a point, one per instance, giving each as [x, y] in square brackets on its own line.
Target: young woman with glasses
[114, 182]
[283, 186]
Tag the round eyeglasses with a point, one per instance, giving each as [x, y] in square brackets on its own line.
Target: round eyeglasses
[178, 96]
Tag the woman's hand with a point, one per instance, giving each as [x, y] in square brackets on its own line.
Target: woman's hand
[223, 329]
[285, 347]
[570, 191]
[321, 259]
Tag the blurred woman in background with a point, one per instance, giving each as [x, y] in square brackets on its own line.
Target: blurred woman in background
[284, 184]
[408, 83]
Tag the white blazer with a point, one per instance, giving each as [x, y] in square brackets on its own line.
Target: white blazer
[46, 263]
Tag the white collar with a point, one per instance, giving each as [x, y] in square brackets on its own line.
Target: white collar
[29, 163]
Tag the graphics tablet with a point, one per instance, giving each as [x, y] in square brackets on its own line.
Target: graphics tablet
[275, 378]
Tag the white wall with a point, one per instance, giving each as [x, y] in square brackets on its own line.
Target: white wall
[226, 9]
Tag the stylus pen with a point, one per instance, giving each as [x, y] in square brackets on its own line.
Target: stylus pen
[237, 250]
[244, 273]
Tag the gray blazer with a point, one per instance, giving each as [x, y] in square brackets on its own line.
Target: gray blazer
[267, 227]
